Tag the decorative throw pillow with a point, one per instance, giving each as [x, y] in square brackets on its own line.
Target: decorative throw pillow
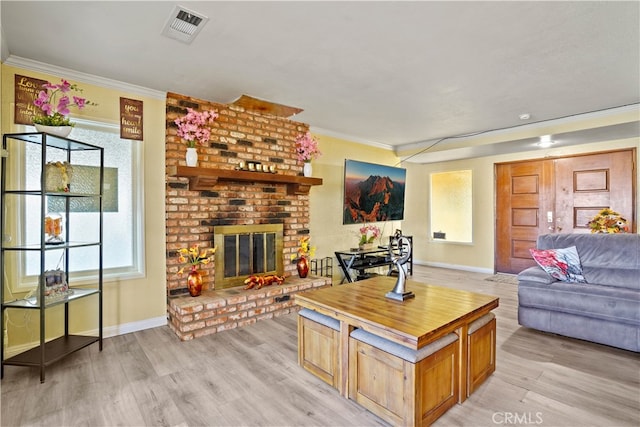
[562, 264]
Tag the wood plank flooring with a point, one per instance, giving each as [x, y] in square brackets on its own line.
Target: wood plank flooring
[250, 377]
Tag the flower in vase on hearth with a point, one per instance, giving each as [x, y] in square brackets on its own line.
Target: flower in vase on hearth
[193, 257]
[305, 250]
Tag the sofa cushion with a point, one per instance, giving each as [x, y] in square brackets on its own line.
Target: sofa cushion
[535, 274]
[608, 259]
[563, 264]
[594, 301]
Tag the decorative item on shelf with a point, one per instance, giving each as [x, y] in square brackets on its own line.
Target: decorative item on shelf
[368, 234]
[194, 282]
[192, 157]
[304, 251]
[53, 229]
[55, 110]
[55, 286]
[58, 176]
[192, 129]
[194, 257]
[257, 282]
[608, 221]
[62, 131]
[307, 169]
[307, 150]
[302, 265]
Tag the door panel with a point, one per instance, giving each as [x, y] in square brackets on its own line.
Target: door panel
[587, 184]
[522, 205]
[558, 196]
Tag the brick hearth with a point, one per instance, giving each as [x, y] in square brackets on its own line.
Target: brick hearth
[216, 311]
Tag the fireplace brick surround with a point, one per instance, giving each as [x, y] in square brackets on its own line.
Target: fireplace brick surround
[191, 216]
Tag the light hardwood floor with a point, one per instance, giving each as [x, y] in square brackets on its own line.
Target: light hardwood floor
[250, 377]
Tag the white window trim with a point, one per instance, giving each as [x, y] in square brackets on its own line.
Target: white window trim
[21, 282]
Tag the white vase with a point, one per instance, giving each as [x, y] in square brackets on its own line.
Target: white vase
[192, 157]
[62, 131]
[307, 170]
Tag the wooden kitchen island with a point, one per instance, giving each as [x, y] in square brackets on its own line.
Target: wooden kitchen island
[435, 314]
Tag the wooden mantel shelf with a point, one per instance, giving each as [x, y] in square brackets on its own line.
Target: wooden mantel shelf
[205, 178]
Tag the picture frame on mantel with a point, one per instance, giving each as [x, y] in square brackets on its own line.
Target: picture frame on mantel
[372, 192]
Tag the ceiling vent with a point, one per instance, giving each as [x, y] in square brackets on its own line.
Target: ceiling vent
[184, 24]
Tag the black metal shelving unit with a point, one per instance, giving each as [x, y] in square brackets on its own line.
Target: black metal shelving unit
[14, 197]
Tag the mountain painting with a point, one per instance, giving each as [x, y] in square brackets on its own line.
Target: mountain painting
[372, 192]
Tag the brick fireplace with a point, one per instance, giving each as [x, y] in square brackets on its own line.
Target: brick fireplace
[193, 212]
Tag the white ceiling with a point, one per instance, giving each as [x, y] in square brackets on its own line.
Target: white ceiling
[399, 74]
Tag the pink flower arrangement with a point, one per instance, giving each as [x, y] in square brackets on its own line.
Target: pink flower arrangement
[369, 233]
[307, 148]
[192, 129]
[55, 110]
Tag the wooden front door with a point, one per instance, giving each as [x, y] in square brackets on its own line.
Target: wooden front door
[524, 193]
[557, 196]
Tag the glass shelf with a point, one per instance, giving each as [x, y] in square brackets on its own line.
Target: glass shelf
[54, 141]
[32, 302]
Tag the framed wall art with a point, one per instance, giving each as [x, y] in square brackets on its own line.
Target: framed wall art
[372, 192]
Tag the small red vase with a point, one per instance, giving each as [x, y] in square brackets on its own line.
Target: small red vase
[303, 267]
[194, 282]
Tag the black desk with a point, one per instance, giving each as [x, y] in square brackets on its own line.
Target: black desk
[361, 260]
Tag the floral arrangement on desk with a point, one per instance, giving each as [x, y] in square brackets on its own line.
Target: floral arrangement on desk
[305, 250]
[55, 110]
[368, 234]
[307, 148]
[192, 126]
[194, 257]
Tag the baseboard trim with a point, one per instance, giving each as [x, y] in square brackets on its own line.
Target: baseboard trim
[141, 325]
[455, 267]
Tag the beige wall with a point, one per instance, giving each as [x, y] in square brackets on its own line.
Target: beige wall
[135, 304]
[479, 255]
[328, 233]
[128, 304]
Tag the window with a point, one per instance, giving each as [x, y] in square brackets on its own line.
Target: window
[451, 206]
[122, 209]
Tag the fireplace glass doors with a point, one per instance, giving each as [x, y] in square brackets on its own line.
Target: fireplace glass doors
[242, 250]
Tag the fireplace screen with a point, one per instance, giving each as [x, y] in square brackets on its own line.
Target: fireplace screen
[242, 250]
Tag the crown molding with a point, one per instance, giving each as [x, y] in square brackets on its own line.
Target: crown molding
[77, 76]
[350, 138]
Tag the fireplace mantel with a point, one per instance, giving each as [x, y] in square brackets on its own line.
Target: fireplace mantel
[206, 178]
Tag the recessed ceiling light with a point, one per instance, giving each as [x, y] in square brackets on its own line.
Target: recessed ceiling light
[525, 116]
[545, 141]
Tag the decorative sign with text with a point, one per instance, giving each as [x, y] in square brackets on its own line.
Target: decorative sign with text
[130, 119]
[26, 91]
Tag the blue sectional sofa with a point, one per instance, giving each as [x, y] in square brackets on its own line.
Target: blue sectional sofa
[605, 309]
